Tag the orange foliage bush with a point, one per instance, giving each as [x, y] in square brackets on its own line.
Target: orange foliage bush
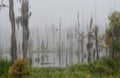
[20, 68]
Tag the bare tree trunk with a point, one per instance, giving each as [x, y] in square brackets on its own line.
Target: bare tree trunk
[71, 52]
[78, 39]
[82, 46]
[13, 35]
[59, 54]
[90, 43]
[62, 54]
[67, 51]
[96, 41]
[38, 40]
[60, 47]
[53, 32]
[89, 46]
[25, 20]
[1, 53]
[25, 42]
[78, 51]
[30, 51]
[70, 47]
[94, 54]
[66, 57]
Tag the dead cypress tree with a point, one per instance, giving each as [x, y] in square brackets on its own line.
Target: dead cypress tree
[78, 39]
[30, 50]
[60, 47]
[53, 34]
[46, 33]
[38, 45]
[38, 39]
[43, 49]
[62, 53]
[25, 22]
[13, 48]
[82, 46]
[96, 41]
[1, 54]
[67, 50]
[90, 43]
[70, 42]
[54, 42]
[13, 35]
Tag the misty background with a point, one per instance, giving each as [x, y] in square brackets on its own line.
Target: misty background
[45, 13]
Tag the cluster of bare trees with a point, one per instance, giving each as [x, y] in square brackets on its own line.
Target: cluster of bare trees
[92, 43]
[89, 42]
[78, 39]
[77, 45]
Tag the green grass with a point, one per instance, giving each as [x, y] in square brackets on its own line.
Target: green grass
[4, 67]
[103, 68]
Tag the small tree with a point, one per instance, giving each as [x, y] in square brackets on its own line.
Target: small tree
[112, 36]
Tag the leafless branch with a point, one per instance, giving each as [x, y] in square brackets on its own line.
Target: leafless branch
[3, 4]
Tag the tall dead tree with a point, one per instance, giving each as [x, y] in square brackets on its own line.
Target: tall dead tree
[90, 43]
[44, 56]
[38, 45]
[53, 32]
[82, 46]
[46, 38]
[1, 54]
[54, 42]
[67, 50]
[25, 22]
[70, 47]
[30, 50]
[13, 35]
[78, 38]
[38, 40]
[13, 48]
[60, 47]
[62, 53]
[96, 41]
[42, 49]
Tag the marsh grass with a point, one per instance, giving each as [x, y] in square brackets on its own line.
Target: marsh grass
[103, 68]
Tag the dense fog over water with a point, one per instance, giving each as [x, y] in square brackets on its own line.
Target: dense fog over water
[49, 12]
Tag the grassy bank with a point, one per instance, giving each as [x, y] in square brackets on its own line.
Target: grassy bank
[103, 68]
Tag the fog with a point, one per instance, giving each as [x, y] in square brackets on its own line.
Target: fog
[48, 12]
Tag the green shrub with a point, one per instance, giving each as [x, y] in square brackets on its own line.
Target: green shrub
[113, 64]
[4, 67]
[103, 69]
[100, 67]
